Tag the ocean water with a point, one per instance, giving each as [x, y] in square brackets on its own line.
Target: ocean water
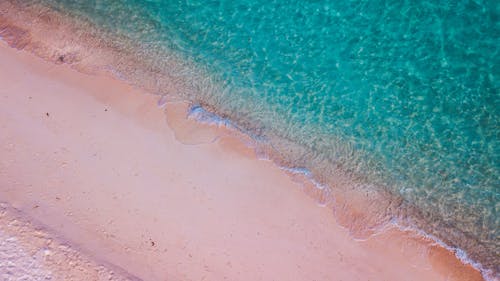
[401, 95]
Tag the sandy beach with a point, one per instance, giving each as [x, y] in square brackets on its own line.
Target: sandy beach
[140, 190]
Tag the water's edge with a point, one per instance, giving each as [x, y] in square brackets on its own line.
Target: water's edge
[100, 53]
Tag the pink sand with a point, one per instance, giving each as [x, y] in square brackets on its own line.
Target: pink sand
[95, 162]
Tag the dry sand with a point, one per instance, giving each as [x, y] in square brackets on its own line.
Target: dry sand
[102, 168]
[27, 252]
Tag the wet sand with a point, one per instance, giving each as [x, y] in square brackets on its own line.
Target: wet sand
[100, 166]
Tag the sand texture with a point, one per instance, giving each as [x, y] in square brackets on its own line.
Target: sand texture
[100, 166]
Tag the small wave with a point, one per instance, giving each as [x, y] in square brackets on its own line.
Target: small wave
[305, 172]
[204, 116]
[201, 115]
[487, 274]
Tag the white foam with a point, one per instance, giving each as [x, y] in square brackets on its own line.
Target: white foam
[487, 274]
[203, 116]
[305, 172]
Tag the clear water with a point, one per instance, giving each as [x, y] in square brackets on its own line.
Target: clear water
[401, 93]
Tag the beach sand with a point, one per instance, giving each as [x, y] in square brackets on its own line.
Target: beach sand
[139, 190]
[27, 252]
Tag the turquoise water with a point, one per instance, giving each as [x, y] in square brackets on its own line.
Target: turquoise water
[404, 94]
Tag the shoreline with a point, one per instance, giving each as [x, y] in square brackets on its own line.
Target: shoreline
[362, 207]
[78, 101]
[200, 134]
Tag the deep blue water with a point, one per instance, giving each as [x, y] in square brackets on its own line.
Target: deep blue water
[404, 93]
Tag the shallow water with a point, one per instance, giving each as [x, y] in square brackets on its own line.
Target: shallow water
[403, 95]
